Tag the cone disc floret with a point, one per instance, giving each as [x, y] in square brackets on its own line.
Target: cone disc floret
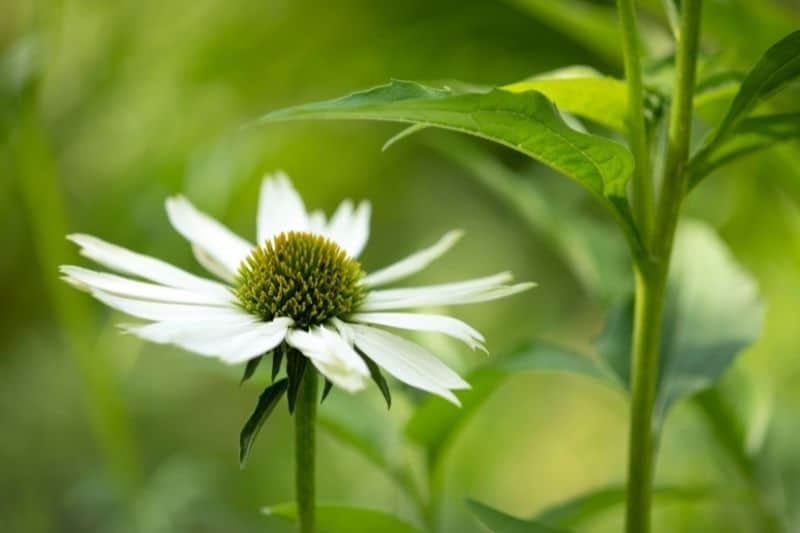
[299, 275]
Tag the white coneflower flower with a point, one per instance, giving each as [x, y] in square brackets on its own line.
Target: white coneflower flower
[300, 290]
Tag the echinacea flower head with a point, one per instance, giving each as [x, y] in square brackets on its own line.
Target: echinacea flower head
[300, 294]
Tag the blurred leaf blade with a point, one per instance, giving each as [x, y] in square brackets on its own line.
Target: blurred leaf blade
[590, 24]
[436, 422]
[708, 319]
[500, 522]
[585, 506]
[343, 519]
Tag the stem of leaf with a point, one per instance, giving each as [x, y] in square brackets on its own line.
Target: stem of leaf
[642, 196]
[305, 420]
[651, 276]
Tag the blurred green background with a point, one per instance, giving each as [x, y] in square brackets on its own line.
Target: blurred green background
[108, 107]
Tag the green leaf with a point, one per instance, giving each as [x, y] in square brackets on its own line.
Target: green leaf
[582, 91]
[436, 422]
[751, 135]
[778, 65]
[266, 404]
[527, 122]
[712, 312]
[251, 367]
[500, 522]
[341, 519]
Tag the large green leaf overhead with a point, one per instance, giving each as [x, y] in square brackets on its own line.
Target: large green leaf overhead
[526, 121]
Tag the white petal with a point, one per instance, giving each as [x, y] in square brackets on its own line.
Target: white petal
[224, 246]
[128, 262]
[316, 222]
[359, 229]
[407, 361]
[332, 356]
[472, 291]
[414, 262]
[111, 283]
[280, 208]
[349, 227]
[232, 343]
[425, 322]
[150, 310]
[212, 265]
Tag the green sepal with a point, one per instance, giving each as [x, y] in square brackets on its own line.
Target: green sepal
[380, 381]
[277, 360]
[266, 403]
[326, 390]
[250, 369]
[295, 366]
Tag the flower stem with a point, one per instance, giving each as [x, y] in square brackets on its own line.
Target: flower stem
[650, 288]
[651, 278]
[304, 423]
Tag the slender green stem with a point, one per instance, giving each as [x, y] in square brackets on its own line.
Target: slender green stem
[650, 288]
[642, 197]
[651, 278]
[304, 422]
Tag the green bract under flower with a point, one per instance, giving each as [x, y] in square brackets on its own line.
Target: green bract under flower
[299, 275]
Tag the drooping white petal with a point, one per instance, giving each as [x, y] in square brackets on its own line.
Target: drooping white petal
[413, 263]
[224, 246]
[120, 286]
[463, 292]
[233, 342]
[280, 208]
[212, 265]
[128, 262]
[160, 311]
[408, 362]
[424, 322]
[349, 227]
[332, 356]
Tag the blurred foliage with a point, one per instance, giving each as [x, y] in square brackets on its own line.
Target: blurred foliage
[108, 107]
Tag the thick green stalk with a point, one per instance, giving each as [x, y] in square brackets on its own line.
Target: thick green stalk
[650, 289]
[304, 422]
[651, 278]
[642, 197]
